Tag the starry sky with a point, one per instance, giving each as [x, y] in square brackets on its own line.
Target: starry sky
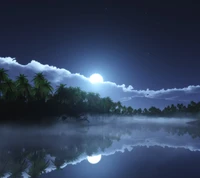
[144, 44]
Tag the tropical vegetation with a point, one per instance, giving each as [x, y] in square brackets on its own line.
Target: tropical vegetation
[37, 98]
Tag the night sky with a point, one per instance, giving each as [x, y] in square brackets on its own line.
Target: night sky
[145, 44]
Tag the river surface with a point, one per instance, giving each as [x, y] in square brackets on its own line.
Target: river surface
[106, 147]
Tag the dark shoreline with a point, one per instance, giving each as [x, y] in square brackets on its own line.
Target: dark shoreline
[31, 120]
[194, 123]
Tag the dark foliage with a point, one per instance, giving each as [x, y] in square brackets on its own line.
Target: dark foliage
[20, 100]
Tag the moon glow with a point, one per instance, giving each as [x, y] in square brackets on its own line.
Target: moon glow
[94, 159]
[96, 78]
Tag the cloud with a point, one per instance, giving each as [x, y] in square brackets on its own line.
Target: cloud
[144, 138]
[131, 136]
[117, 92]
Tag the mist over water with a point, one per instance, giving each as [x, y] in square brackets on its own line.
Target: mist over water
[97, 126]
[103, 135]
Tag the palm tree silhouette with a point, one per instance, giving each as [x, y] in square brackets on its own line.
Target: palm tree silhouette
[58, 162]
[105, 105]
[17, 169]
[9, 90]
[38, 164]
[4, 163]
[42, 87]
[3, 78]
[93, 100]
[118, 109]
[18, 166]
[180, 107]
[3, 75]
[47, 89]
[24, 89]
[130, 110]
[61, 93]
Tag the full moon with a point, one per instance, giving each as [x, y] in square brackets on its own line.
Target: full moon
[94, 159]
[96, 78]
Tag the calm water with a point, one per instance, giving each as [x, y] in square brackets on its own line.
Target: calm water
[123, 147]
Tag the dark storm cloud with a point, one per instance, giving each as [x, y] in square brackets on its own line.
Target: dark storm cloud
[116, 92]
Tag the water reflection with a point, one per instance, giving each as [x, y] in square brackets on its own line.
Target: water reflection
[34, 151]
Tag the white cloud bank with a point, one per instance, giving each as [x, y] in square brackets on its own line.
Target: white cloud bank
[116, 92]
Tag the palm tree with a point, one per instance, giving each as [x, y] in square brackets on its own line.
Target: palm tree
[23, 87]
[109, 104]
[118, 108]
[106, 105]
[17, 162]
[60, 93]
[42, 87]
[75, 95]
[130, 110]
[9, 90]
[193, 107]
[173, 108]
[180, 107]
[38, 167]
[124, 110]
[3, 78]
[113, 107]
[38, 79]
[83, 96]
[58, 162]
[154, 111]
[167, 110]
[38, 164]
[145, 111]
[4, 163]
[3, 75]
[47, 89]
[38, 82]
[138, 111]
[17, 168]
[81, 100]
[93, 101]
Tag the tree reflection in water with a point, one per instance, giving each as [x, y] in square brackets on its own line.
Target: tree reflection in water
[38, 153]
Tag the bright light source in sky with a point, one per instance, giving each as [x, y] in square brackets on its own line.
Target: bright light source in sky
[94, 159]
[96, 78]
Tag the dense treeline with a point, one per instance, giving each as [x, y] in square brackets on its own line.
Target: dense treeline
[21, 97]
